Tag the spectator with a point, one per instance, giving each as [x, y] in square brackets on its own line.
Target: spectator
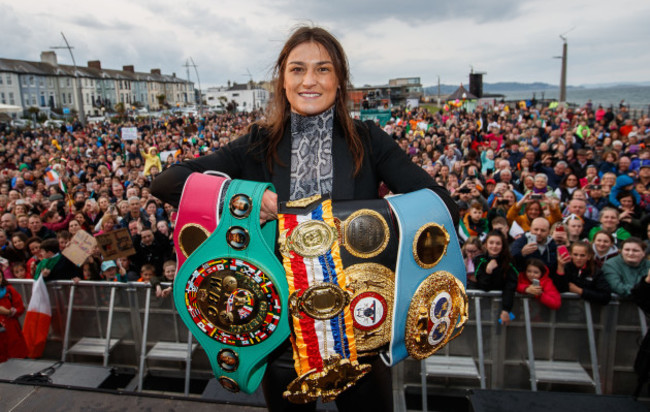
[534, 203]
[151, 248]
[55, 266]
[604, 247]
[470, 249]
[12, 342]
[37, 229]
[578, 273]
[535, 244]
[609, 222]
[535, 281]
[495, 271]
[473, 224]
[624, 271]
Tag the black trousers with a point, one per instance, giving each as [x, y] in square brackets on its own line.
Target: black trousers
[373, 392]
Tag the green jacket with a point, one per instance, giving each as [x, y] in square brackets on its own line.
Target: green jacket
[621, 277]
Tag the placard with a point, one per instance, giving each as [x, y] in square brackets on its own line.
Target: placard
[80, 247]
[129, 133]
[115, 244]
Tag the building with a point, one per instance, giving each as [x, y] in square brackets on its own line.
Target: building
[249, 96]
[398, 92]
[48, 85]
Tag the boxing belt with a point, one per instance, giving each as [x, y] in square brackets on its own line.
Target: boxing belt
[231, 291]
[323, 338]
[430, 306]
[198, 213]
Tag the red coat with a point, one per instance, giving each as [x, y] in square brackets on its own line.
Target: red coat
[12, 342]
[550, 297]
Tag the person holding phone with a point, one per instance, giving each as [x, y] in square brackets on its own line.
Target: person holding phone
[577, 272]
[535, 281]
[534, 205]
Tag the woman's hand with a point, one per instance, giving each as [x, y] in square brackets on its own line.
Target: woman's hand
[269, 209]
[493, 264]
[505, 318]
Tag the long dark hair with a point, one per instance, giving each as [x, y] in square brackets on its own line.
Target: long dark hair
[279, 109]
[504, 257]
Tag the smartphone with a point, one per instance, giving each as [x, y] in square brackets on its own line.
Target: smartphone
[532, 239]
[536, 196]
[560, 228]
[563, 251]
[535, 282]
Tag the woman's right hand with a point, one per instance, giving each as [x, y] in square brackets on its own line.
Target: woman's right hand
[493, 264]
[269, 208]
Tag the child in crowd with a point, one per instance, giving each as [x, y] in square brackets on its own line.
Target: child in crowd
[109, 272]
[19, 270]
[169, 273]
[471, 249]
[536, 281]
[495, 271]
[579, 274]
[147, 273]
[126, 269]
[473, 223]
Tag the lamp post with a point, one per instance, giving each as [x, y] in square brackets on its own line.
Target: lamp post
[563, 75]
[80, 100]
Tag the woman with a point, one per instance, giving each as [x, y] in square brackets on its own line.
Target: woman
[578, 273]
[624, 271]
[308, 144]
[568, 185]
[532, 209]
[495, 271]
[604, 247]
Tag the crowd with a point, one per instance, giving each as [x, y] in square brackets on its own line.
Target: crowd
[551, 200]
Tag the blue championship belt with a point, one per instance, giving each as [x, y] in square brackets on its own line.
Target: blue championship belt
[430, 306]
[231, 291]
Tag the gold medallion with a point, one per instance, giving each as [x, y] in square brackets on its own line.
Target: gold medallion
[372, 286]
[430, 245]
[190, 238]
[337, 375]
[365, 233]
[437, 314]
[320, 301]
[311, 239]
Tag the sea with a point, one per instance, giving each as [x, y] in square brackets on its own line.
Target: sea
[636, 97]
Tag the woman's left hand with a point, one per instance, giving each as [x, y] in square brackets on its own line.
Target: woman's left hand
[269, 209]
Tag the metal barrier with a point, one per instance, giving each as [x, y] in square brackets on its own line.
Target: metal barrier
[604, 340]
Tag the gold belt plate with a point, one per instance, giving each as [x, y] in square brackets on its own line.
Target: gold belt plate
[320, 301]
[337, 375]
[373, 287]
[437, 314]
[309, 239]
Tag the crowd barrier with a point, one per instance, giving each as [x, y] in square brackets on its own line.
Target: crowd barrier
[580, 347]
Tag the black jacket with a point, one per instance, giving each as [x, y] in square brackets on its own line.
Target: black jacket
[594, 285]
[497, 280]
[244, 158]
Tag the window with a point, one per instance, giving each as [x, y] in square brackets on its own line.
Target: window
[0, 79]
[31, 80]
[33, 100]
[67, 82]
[24, 80]
[26, 98]
[41, 82]
[2, 98]
[11, 98]
[61, 81]
[63, 98]
[8, 79]
[42, 98]
[70, 97]
[50, 82]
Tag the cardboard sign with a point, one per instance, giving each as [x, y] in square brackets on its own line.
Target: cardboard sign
[80, 247]
[129, 133]
[116, 243]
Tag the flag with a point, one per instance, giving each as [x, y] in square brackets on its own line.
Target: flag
[51, 178]
[37, 320]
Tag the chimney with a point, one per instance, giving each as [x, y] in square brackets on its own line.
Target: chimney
[128, 69]
[95, 64]
[174, 75]
[155, 71]
[49, 57]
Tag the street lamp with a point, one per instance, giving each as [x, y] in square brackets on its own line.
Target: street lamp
[82, 114]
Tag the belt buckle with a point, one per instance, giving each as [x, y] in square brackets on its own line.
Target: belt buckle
[337, 375]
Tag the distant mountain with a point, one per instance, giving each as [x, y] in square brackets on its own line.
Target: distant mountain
[501, 87]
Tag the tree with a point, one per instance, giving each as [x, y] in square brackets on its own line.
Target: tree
[232, 106]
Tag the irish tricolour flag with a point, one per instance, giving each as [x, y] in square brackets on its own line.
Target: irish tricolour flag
[37, 319]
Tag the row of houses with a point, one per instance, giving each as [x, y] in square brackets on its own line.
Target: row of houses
[48, 85]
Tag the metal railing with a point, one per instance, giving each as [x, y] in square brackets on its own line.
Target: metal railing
[606, 348]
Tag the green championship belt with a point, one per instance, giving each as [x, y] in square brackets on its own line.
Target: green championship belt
[231, 292]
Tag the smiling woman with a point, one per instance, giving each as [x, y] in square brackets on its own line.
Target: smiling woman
[309, 145]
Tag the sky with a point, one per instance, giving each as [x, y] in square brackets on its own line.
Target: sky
[509, 40]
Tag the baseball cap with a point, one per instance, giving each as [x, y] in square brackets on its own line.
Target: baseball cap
[108, 264]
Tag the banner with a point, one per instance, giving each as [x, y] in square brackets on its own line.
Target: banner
[116, 243]
[129, 133]
[80, 247]
[37, 320]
